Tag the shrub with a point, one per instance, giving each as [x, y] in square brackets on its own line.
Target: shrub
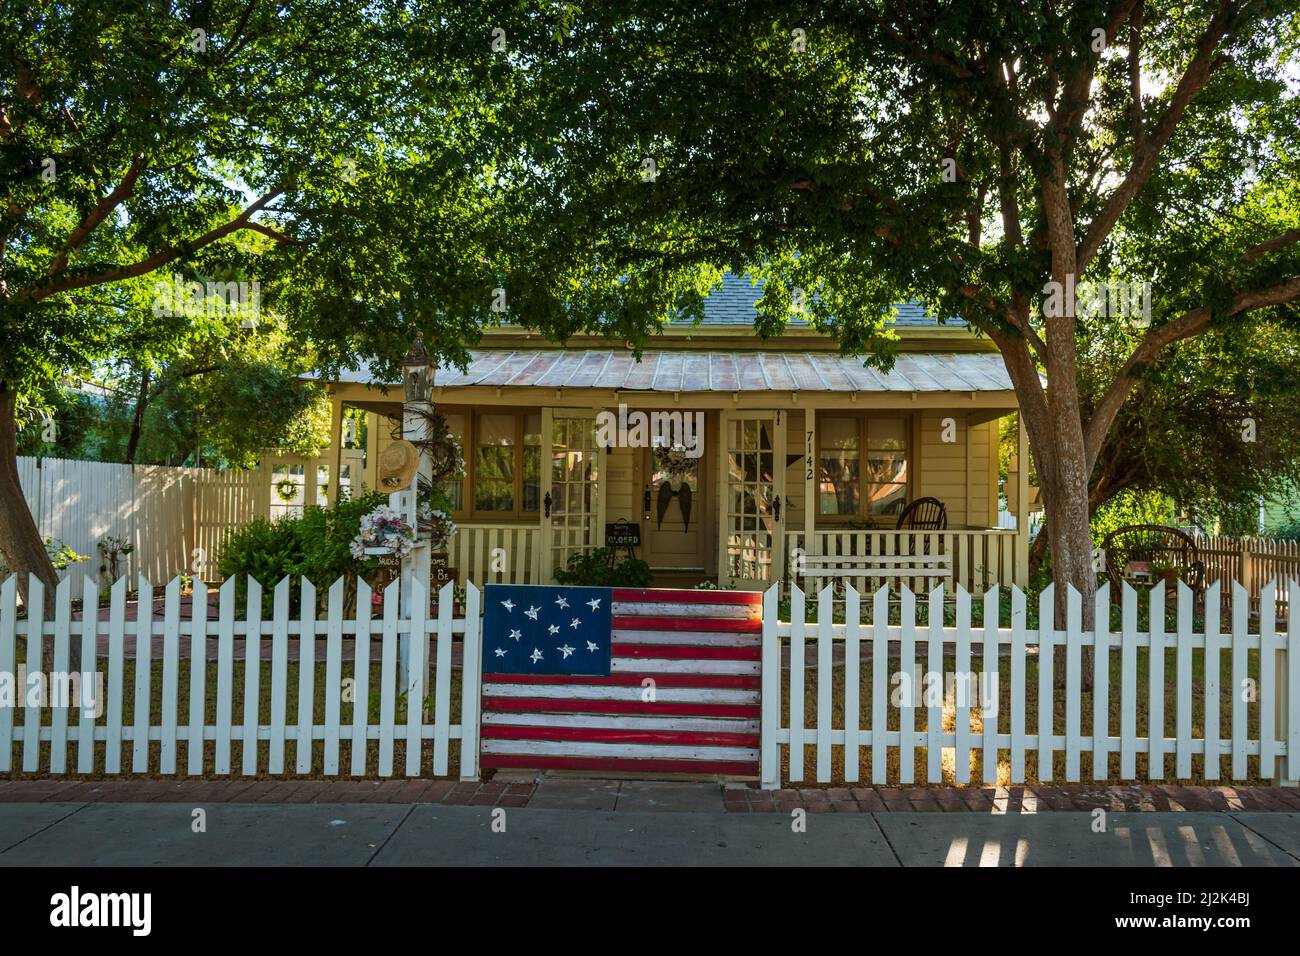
[597, 569]
[314, 545]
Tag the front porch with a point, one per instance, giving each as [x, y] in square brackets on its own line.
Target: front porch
[789, 481]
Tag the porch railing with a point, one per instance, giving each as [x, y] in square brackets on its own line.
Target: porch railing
[978, 558]
[496, 554]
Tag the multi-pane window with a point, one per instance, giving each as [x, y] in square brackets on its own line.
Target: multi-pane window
[504, 464]
[862, 466]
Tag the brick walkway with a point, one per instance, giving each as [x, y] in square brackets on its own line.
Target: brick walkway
[736, 798]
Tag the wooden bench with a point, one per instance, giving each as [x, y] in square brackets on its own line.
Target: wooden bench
[912, 568]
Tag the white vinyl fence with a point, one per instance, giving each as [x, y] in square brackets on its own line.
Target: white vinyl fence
[174, 518]
[330, 683]
[915, 700]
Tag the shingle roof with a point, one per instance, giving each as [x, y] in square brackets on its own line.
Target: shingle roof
[733, 303]
[678, 371]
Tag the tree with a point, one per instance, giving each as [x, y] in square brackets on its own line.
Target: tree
[987, 159]
[148, 141]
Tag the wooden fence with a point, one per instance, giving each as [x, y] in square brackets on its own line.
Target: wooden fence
[1157, 698]
[321, 683]
[1251, 562]
[174, 518]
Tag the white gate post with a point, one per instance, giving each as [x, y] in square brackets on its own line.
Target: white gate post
[770, 753]
[471, 671]
[1287, 688]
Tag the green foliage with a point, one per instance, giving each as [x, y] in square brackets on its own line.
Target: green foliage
[61, 556]
[313, 545]
[596, 568]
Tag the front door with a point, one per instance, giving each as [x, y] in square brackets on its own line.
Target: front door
[673, 510]
[573, 501]
[751, 487]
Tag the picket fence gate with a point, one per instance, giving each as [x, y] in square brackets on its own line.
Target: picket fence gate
[919, 726]
[146, 738]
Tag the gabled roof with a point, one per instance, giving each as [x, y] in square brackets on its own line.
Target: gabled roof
[733, 303]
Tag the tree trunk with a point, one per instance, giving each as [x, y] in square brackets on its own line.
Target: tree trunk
[20, 541]
[142, 399]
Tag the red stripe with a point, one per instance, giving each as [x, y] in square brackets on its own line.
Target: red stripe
[688, 652]
[681, 596]
[678, 709]
[754, 626]
[623, 679]
[735, 768]
[606, 735]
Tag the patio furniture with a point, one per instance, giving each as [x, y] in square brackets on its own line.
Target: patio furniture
[1138, 553]
[923, 514]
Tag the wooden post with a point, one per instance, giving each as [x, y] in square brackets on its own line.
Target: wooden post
[1022, 503]
[335, 449]
[810, 498]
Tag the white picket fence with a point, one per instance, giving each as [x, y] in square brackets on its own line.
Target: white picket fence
[1044, 720]
[147, 737]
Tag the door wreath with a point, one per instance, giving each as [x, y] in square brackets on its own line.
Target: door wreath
[678, 467]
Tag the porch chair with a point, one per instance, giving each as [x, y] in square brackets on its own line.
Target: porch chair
[923, 514]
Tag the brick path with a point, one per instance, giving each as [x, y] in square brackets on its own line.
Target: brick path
[736, 798]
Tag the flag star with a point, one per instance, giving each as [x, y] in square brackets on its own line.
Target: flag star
[553, 629]
[501, 652]
[594, 604]
[573, 623]
[508, 604]
[532, 612]
[566, 650]
[592, 646]
[515, 634]
[561, 602]
[536, 655]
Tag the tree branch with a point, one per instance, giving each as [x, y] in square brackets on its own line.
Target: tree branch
[1193, 80]
[158, 259]
[97, 215]
[1186, 326]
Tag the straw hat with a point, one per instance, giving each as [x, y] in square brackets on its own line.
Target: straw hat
[398, 464]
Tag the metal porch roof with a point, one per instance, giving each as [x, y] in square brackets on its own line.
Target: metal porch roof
[676, 371]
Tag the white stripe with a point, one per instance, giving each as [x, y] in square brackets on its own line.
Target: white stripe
[735, 612]
[701, 638]
[578, 748]
[668, 722]
[656, 665]
[670, 695]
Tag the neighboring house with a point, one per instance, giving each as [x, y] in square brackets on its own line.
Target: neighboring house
[802, 448]
[1280, 513]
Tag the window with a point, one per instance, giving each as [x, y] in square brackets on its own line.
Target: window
[862, 466]
[504, 465]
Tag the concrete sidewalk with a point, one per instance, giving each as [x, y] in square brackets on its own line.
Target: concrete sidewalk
[647, 828]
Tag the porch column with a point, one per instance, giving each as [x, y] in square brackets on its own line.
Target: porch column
[1022, 502]
[417, 383]
[809, 481]
[335, 451]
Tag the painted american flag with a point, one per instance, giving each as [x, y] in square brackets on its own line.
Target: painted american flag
[679, 692]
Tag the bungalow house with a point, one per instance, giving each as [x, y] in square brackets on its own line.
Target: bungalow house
[806, 462]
